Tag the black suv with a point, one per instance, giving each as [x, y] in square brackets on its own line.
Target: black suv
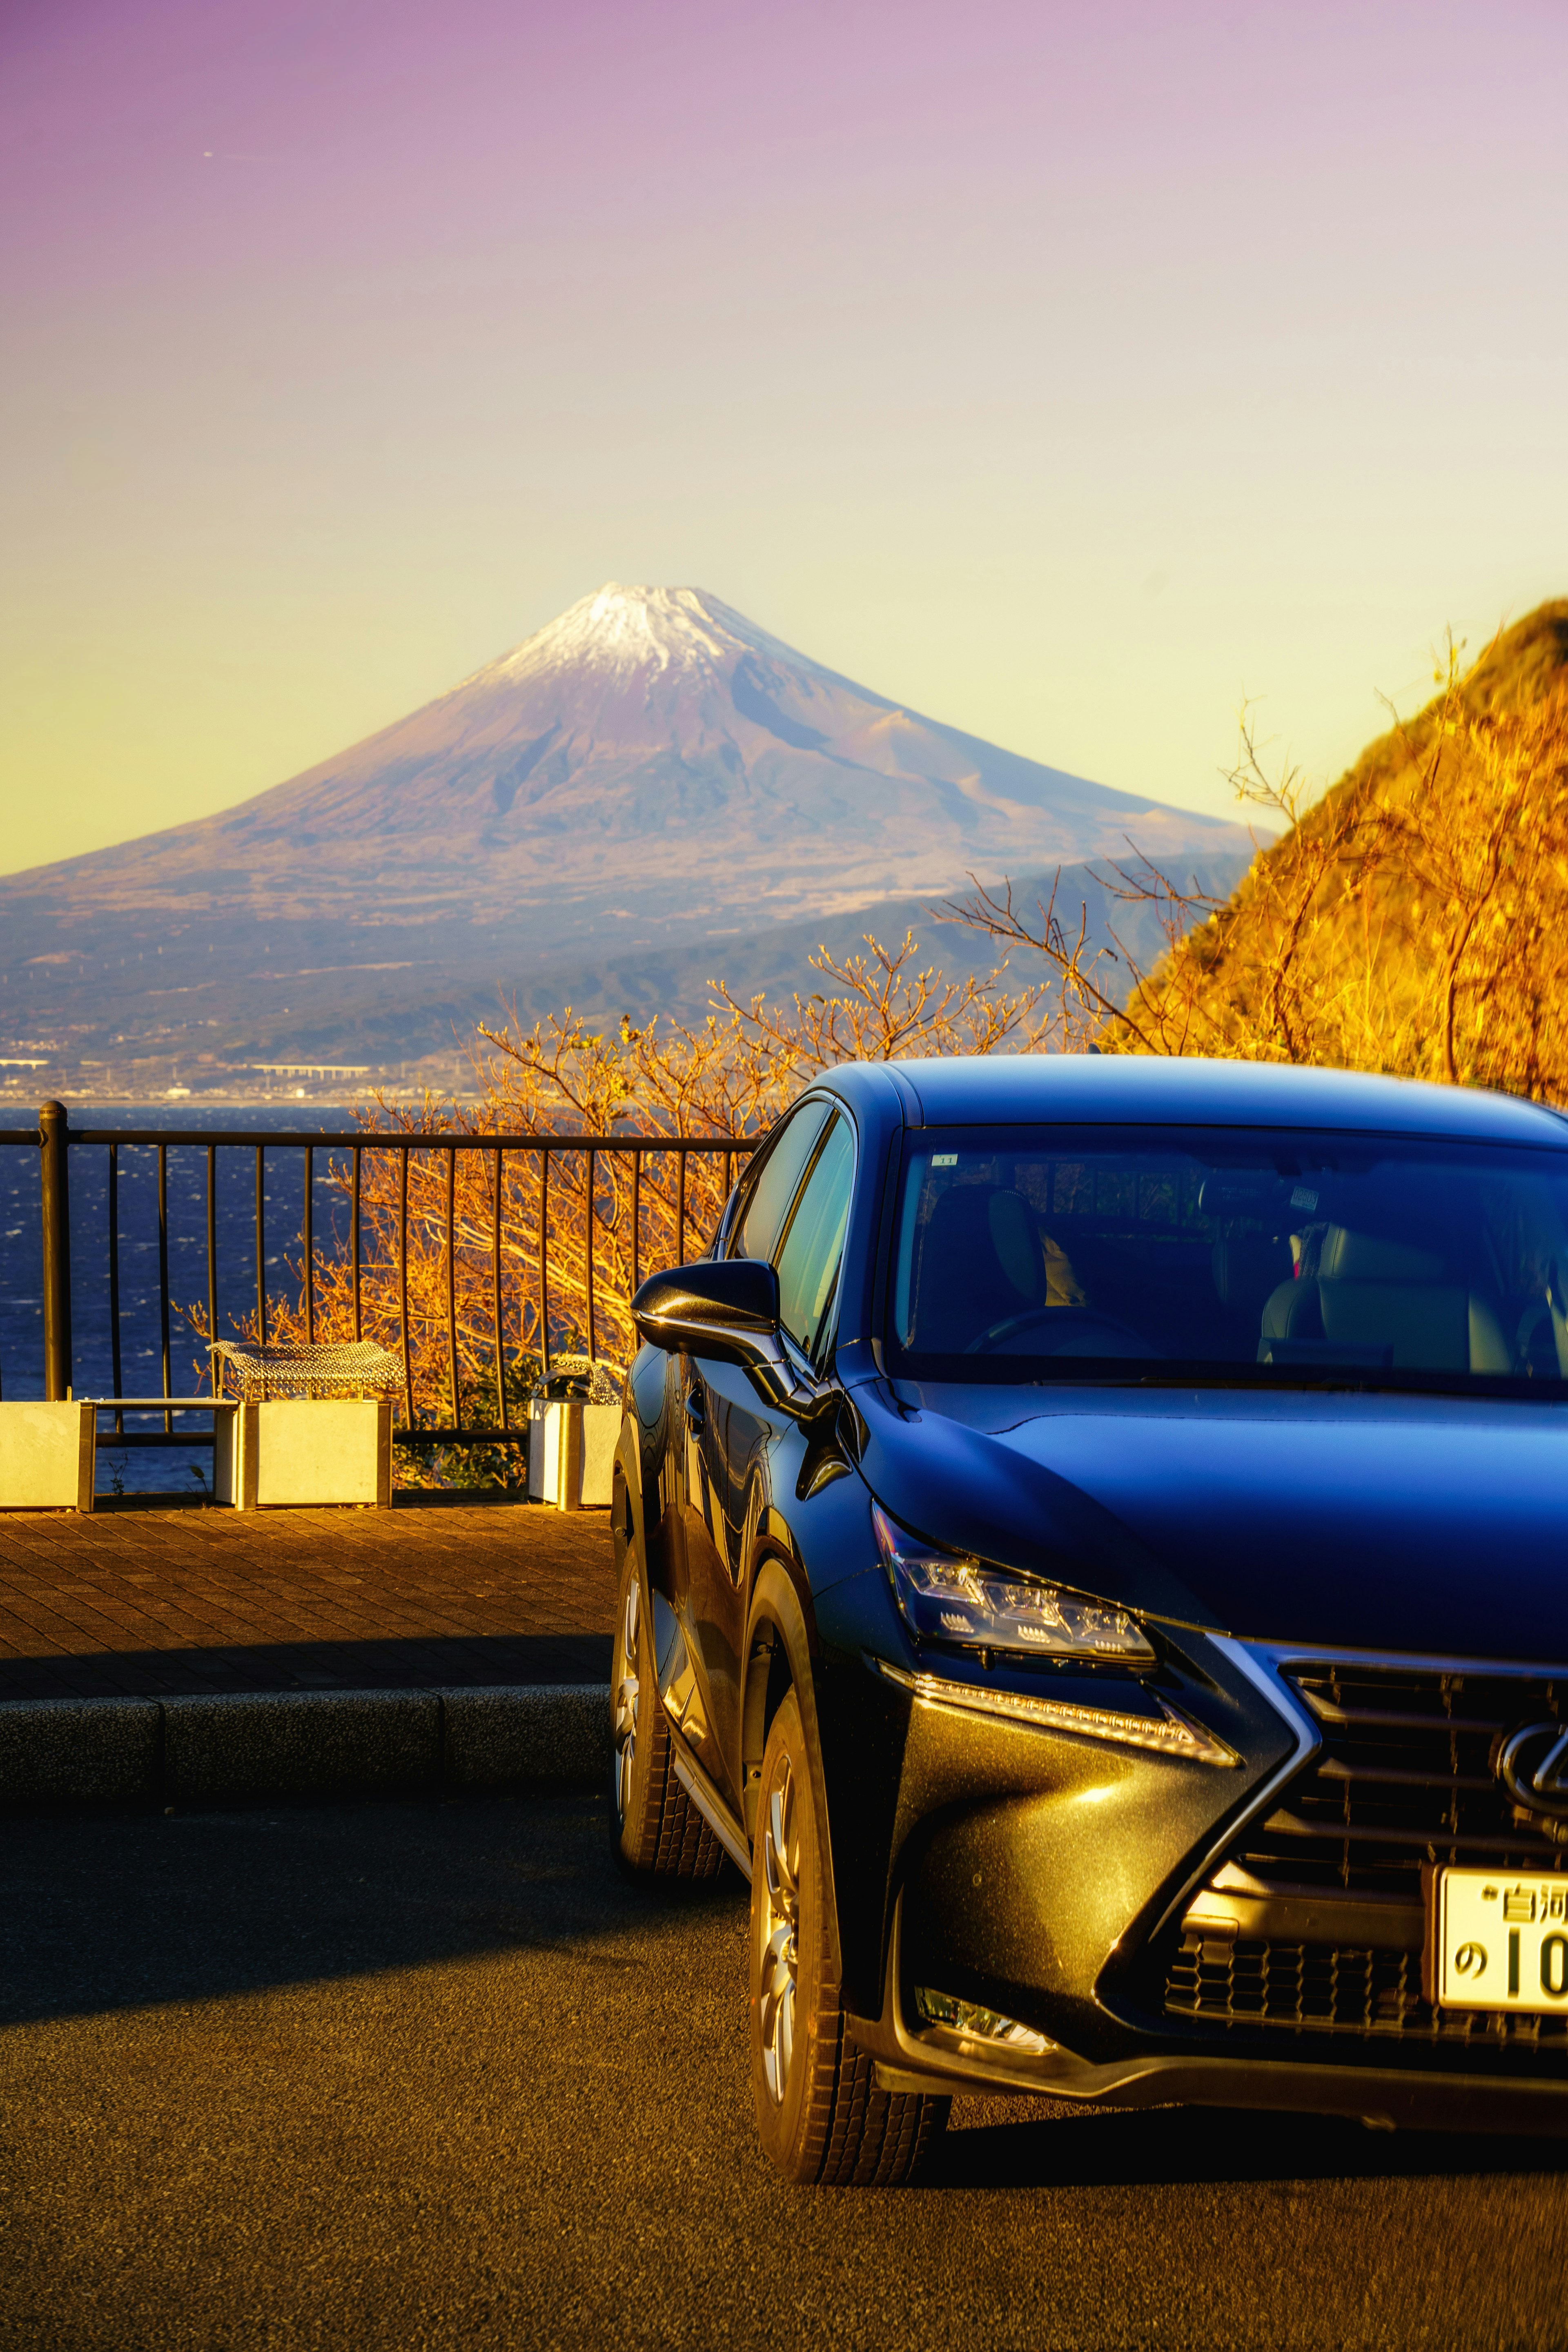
[1093, 1552]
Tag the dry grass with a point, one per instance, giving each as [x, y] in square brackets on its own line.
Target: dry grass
[1413, 920]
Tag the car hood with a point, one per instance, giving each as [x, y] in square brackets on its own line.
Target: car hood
[1433, 1525]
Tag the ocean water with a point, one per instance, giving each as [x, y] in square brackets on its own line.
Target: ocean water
[144, 1470]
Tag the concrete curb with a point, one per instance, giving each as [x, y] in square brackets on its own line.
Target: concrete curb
[255, 1745]
[81, 1751]
[526, 1735]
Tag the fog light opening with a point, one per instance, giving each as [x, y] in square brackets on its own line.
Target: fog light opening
[977, 2024]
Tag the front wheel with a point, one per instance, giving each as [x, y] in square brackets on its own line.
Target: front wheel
[819, 2113]
[657, 1828]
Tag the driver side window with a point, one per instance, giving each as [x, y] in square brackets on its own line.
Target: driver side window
[765, 1205]
[812, 1245]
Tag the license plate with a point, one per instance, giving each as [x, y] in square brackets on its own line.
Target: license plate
[1499, 1942]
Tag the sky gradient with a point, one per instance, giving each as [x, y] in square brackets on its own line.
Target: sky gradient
[1063, 372]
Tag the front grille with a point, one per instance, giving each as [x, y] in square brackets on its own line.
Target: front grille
[1405, 1776]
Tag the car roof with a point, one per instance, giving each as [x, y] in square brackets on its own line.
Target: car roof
[998, 1088]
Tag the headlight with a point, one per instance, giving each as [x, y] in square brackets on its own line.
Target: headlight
[946, 1597]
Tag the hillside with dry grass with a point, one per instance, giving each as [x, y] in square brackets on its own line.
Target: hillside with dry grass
[1413, 919]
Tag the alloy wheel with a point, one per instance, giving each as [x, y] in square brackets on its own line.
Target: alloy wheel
[628, 1702]
[781, 1948]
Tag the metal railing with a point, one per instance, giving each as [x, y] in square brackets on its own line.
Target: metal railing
[55, 1140]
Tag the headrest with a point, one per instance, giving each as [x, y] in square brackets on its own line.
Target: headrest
[1348, 1257]
[1015, 1242]
[969, 1215]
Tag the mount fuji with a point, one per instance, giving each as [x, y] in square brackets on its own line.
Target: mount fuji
[650, 781]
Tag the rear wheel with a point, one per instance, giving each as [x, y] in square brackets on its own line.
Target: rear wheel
[819, 2112]
[657, 1828]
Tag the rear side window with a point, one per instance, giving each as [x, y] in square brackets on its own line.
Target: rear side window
[814, 1244]
[768, 1194]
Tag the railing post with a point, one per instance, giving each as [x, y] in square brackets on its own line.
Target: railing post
[54, 1129]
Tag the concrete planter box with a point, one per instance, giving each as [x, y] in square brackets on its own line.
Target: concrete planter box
[46, 1457]
[571, 1453]
[303, 1451]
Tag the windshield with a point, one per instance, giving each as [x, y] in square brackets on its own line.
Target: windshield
[1037, 1253]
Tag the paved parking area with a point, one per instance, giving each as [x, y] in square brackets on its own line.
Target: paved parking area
[154, 1602]
[436, 2076]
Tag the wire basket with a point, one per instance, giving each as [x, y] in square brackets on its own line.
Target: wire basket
[352, 1369]
[590, 1379]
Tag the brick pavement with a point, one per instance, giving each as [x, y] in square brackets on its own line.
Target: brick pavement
[151, 1602]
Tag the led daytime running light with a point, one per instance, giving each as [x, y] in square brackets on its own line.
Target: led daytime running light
[1167, 1734]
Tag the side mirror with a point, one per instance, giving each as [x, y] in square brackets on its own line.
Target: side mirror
[725, 1307]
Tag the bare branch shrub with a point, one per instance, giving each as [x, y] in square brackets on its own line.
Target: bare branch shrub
[596, 1221]
[1412, 921]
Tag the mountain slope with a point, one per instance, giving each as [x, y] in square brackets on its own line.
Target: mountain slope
[649, 769]
[1414, 920]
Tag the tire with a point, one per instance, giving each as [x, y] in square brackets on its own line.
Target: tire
[819, 2113]
[657, 1832]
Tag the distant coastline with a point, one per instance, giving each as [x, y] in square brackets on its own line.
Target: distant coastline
[165, 1094]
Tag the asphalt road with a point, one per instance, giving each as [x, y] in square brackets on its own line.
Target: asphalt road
[433, 2075]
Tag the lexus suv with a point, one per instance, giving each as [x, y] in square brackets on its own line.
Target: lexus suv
[1092, 1543]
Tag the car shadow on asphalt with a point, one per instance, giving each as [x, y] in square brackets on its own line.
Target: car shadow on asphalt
[102, 1912]
[110, 1912]
[1055, 2146]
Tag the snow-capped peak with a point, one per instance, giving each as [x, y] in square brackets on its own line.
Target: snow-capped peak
[623, 628]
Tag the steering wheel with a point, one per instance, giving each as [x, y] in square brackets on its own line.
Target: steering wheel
[1067, 1323]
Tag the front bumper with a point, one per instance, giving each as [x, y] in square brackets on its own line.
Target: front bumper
[943, 2063]
[1056, 1878]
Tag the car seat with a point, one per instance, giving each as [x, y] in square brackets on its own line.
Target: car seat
[1373, 1294]
[1249, 1270]
[981, 1261]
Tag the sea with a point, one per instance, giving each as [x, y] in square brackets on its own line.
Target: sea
[137, 1470]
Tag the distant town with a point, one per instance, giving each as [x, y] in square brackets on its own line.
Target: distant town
[32, 1072]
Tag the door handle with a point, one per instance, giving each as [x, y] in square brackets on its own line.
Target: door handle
[696, 1410]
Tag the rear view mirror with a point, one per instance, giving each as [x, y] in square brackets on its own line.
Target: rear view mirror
[1256, 1194]
[723, 1308]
